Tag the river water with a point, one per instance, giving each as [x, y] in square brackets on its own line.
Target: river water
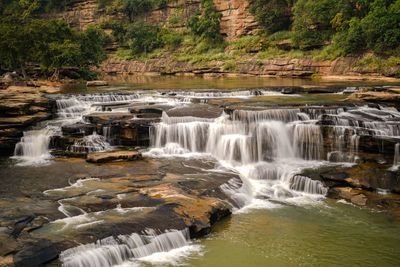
[280, 218]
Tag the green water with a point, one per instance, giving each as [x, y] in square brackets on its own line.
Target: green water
[140, 82]
[330, 234]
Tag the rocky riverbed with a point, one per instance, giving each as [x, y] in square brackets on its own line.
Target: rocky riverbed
[131, 169]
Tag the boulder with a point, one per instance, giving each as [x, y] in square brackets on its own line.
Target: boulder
[359, 200]
[36, 253]
[96, 83]
[113, 156]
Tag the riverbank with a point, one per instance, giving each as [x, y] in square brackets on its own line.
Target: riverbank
[340, 69]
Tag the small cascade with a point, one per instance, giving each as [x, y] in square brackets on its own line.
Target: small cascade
[90, 143]
[354, 144]
[248, 116]
[396, 159]
[33, 148]
[305, 184]
[131, 249]
[188, 95]
[308, 141]
[267, 148]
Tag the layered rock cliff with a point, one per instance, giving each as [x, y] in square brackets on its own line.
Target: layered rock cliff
[236, 18]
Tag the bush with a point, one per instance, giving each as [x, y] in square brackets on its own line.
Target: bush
[230, 65]
[206, 24]
[143, 37]
[172, 39]
[272, 15]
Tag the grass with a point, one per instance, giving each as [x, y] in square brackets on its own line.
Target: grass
[272, 53]
[376, 63]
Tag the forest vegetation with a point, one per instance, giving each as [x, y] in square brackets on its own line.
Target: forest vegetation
[318, 29]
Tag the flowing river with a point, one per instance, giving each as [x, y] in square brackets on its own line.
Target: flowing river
[262, 138]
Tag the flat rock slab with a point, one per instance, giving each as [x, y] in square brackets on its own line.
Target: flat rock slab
[96, 83]
[104, 157]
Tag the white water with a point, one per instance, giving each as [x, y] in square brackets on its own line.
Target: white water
[33, 149]
[132, 250]
[396, 159]
[267, 148]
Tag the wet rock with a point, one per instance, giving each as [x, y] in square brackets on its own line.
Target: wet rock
[292, 90]
[382, 94]
[96, 83]
[341, 193]
[78, 129]
[319, 90]
[8, 244]
[20, 108]
[359, 200]
[200, 111]
[20, 225]
[108, 118]
[103, 157]
[36, 253]
[146, 110]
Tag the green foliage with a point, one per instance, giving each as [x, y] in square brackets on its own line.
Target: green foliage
[134, 8]
[104, 3]
[118, 32]
[271, 53]
[312, 21]
[50, 43]
[230, 65]
[176, 18]
[247, 43]
[272, 15]
[375, 63]
[171, 39]
[206, 24]
[143, 37]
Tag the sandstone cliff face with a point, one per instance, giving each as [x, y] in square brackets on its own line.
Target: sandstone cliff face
[236, 19]
[283, 67]
[80, 14]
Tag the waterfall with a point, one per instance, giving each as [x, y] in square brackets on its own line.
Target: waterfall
[305, 184]
[125, 249]
[33, 149]
[308, 141]
[90, 143]
[266, 148]
[396, 159]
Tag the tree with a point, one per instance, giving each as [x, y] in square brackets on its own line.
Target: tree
[143, 37]
[16, 41]
[312, 20]
[272, 15]
[134, 8]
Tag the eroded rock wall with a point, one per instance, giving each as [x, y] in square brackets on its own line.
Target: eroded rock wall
[236, 18]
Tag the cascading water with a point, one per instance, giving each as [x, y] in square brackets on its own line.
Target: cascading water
[91, 143]
[34, 146]
[396, 159]
[33, 149]
[267, 148]
[131, 250]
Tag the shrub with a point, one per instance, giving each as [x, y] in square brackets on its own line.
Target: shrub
[206, 24]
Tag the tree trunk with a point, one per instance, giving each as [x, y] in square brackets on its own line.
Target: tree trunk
[56, 75]
[23, 72]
